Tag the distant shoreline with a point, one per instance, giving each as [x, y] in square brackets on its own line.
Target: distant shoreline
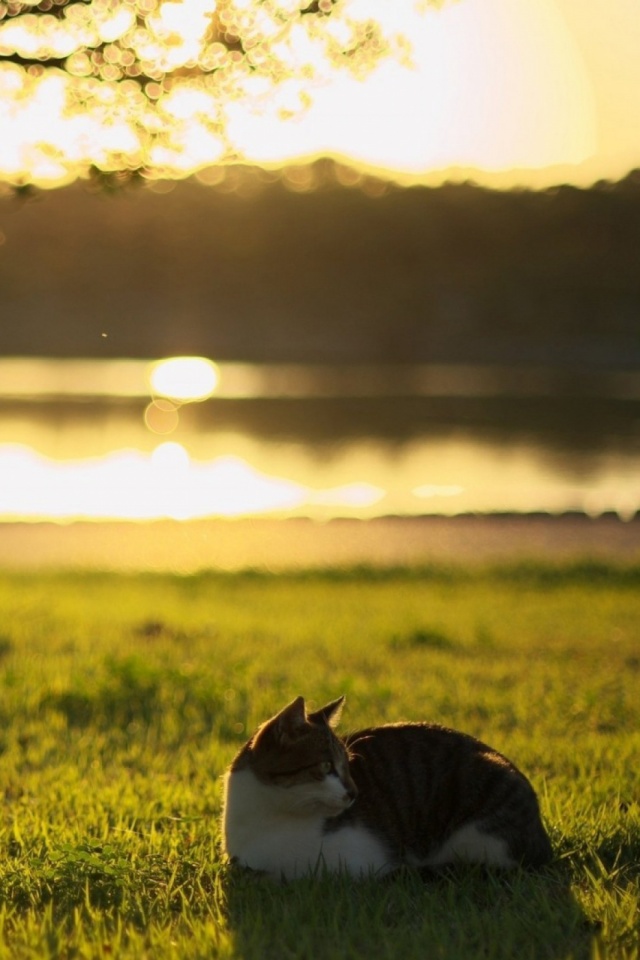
[413, 275]
[188, 546]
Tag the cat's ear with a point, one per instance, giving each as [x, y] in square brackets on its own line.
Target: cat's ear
[288, 723]
[329, 714]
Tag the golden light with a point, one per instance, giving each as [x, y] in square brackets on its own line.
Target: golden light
[495, 86]
[428, 490]
[128, 484]
[184, 378]
[180, 26]
[399, 86]
[355, 495]
[170, 457]
[115, 23]
[161, 416]
[237, 488]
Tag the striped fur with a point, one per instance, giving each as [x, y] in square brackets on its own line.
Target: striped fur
[298, 798]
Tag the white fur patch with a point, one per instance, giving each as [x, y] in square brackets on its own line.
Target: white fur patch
[279, 830]
[469, 844]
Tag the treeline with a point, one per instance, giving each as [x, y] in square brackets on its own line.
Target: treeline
[262, 272]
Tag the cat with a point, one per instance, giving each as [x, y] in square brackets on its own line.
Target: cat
[299, 799]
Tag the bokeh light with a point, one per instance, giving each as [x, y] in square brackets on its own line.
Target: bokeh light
[161, 416]
[166, 89]
[183, 378]
[150, 86]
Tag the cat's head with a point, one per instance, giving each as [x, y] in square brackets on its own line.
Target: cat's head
[299, 755]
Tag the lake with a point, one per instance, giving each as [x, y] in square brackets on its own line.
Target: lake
[89, 439]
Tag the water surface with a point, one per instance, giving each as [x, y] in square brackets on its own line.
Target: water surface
[92, 439]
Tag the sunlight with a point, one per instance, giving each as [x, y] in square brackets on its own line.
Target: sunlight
[130, 485]
[161, 416]
[472, 84]
[35, 378]
[98, 439]
[348, 495]
[427, 490]
[496, 86]
[183, 378]
[224, 475]
[179, 27]
[236, 488]
[170, 459]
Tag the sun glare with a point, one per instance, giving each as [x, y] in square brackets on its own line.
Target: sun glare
[494, 86]
[166, 483]
[470, 84]
[183, 378]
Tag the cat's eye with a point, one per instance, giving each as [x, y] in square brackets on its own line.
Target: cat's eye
[326, 767]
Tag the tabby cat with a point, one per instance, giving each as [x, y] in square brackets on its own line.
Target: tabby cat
[298, 799]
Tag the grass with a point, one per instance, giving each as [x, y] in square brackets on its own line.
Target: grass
[123, 698]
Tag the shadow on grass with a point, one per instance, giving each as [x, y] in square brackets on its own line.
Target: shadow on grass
[455, 916]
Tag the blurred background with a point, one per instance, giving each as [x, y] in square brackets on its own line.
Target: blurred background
[338, 259]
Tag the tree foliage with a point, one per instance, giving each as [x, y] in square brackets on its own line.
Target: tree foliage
[458, 274]
[166, 86]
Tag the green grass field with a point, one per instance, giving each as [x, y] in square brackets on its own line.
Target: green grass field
[124, 697]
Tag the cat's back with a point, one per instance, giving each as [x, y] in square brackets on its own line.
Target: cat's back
[420, 784]
[427, 749]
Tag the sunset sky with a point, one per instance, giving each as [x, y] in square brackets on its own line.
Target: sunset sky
[505, 91]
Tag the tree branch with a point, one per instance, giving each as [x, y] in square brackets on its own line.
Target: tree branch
[47, 7]
[26, 62]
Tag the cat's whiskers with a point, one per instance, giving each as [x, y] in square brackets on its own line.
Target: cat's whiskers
[353, 754]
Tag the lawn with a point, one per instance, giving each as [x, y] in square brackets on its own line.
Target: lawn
[123, 698]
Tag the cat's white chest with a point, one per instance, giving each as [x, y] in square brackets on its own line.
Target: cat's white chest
[264, 830]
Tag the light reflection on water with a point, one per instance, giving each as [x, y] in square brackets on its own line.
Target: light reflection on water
[299, 442]
[166, 483]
